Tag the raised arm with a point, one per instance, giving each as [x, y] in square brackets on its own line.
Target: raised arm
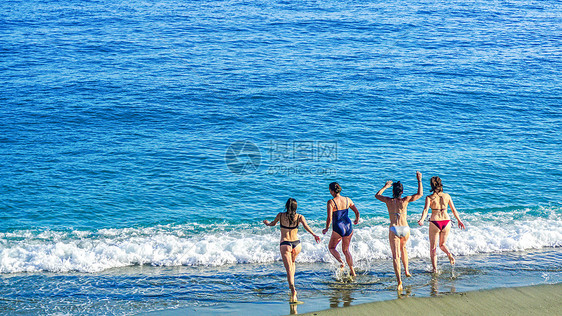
[355, 210]
[455, 213]
[328, 217]
[305, 225]
[424, 213]
[268, 223]
[379, 195]
[420, 189]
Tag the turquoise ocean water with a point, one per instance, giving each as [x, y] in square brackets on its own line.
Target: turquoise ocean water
[142, 144]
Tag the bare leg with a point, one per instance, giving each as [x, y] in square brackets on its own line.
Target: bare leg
[433, 233]
[395, 249]
[442, 239]
[345, 248]
[295, 253]
[404, 254]
[334, 241]
[287, 255]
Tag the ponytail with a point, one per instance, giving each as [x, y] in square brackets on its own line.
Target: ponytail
[291, 211]
[397, 189]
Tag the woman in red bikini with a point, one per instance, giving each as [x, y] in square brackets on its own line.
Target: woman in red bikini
[440, 222]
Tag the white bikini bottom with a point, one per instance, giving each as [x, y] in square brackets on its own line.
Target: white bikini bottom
[400, 231]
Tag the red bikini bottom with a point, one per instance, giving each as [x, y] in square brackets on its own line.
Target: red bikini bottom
[441, 224]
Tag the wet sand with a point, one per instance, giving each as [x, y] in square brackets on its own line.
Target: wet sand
[530, 300]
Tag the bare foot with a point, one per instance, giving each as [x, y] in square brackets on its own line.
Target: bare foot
[342, 269]
[399, 287]
[451, 258]
[293, 297]
[352, 271]
[408, 274]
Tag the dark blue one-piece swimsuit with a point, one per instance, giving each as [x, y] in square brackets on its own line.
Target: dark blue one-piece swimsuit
[341, 223]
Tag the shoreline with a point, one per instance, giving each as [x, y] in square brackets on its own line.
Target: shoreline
[495, 275]
[526, 300]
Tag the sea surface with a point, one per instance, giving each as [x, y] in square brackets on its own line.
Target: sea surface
[142, 144]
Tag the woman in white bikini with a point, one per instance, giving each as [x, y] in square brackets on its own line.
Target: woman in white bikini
[290, 246]
[399, 231]
[440, 222]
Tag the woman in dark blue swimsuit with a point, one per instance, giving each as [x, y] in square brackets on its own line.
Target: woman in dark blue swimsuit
[338, 208]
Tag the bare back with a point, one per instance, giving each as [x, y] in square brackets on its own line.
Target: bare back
[397, 211]
[341, 202]
[286, 233]
[438, 203]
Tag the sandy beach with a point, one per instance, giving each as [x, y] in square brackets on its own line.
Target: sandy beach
[144, 143]
[530, 300]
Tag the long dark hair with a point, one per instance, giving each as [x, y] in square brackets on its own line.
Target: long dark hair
[291, 211]
[436, 185]
[397, 189]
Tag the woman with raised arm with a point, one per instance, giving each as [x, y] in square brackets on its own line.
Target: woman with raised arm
[399, 231]
[290, 246]
[440, 222]
[342, 230]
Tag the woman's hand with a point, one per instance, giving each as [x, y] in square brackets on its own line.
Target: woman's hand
[356, 221]
[266, 222]
[420, 222]
[324, 231]
[461, 225]
[317, 238]
[388, 183]
[419, 175]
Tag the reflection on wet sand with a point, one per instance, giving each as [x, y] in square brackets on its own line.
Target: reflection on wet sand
[435, 285]
[293, 310]
[405, 292]
[339, 295]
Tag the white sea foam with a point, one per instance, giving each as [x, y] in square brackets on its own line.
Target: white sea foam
[55, 251]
